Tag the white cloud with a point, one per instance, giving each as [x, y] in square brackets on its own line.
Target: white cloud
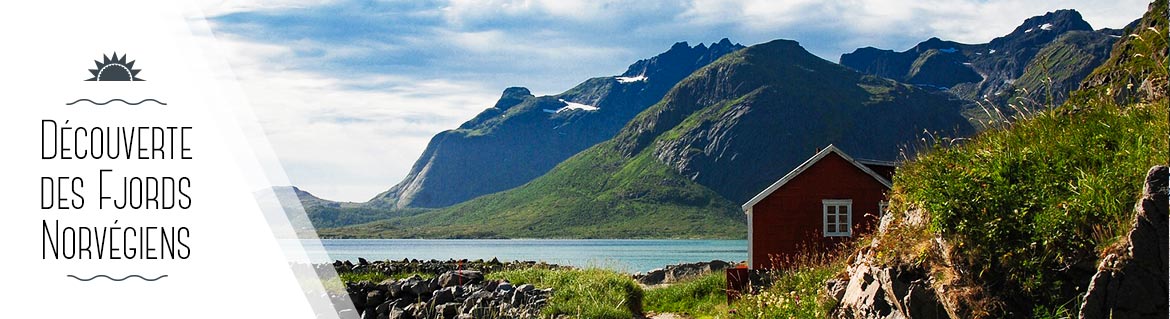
[343, 143]
[350, 97]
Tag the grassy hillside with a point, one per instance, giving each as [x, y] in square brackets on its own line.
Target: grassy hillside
[1025, 209]
[1059, 68]
[1028, 207]
[610, 197]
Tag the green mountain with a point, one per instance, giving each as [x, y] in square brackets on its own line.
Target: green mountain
[681, 167]
[523, 136]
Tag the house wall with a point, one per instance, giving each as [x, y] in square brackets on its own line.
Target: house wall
[791, 218]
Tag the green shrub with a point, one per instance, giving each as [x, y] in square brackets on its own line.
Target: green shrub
[1026, 205]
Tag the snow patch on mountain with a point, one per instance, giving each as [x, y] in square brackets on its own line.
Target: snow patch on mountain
[630, 79]
[573, 106]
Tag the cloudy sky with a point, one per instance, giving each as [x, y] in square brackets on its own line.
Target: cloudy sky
[350, 92]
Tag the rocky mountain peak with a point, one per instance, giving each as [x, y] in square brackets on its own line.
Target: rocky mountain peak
[512, 96]
[677, 62]
[1056, 22]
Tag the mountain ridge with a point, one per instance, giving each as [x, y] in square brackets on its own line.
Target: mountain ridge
[640, 184]
[1015, 68]
[523, 136]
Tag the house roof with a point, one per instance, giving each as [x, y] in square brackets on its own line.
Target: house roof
[809, 163]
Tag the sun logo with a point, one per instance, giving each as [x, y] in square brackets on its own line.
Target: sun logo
[115, 69]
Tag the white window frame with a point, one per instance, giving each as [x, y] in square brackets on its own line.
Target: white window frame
[825, 204]
[883, 208]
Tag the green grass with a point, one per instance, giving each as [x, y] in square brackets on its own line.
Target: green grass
[797, 293]
[1021, 203]
[700, 297]
[582, 293]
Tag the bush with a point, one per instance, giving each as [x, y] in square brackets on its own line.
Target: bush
[1029, 205]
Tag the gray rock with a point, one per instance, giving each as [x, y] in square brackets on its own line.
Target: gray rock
[447, 310]
[680, 272]
[375, 297]
[505, 286]
[384, 307]
[1131, 282]
[886, 293]
[835, 288]
[358, 299]
[443, 296]
[653, 277]
[460, 277]
[422, 288]
[370, 313]
[399, 313]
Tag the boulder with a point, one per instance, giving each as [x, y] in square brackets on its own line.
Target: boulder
[375, 297]
[1131, 281]
[443, 296]
[447, 310]
[680, 272]
[885, 293]
[653, 277]
[399, 313]
[460, 277]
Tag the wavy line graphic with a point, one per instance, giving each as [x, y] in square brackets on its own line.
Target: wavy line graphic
[116, 100]
[114, 279]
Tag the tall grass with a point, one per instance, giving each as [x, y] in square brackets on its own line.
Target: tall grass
[702, 296]
[582, 293]
[1028, 203]
[797, 286]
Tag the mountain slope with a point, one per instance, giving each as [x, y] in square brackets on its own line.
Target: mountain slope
[1016, 67]
[523, 136]
[680, 168]
[1015, 222]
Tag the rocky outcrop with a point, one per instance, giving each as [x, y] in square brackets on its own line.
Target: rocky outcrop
[434, 267]
[885, 292]
[872, 290]
[444, 298]
[1131, 281]
[675, 273]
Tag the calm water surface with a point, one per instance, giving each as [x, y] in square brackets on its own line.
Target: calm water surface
[630, 255]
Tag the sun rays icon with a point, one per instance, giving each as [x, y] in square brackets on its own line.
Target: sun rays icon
[114, 69]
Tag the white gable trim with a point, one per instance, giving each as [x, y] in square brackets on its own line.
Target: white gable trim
[809, 163]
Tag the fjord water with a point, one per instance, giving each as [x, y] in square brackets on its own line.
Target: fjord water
[629, 255]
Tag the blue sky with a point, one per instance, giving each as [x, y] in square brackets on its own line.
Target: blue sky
[350, 92]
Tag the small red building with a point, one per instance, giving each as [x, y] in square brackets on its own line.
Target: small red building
[828, 199]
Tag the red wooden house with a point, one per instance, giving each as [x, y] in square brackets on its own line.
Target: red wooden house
[828, 199]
